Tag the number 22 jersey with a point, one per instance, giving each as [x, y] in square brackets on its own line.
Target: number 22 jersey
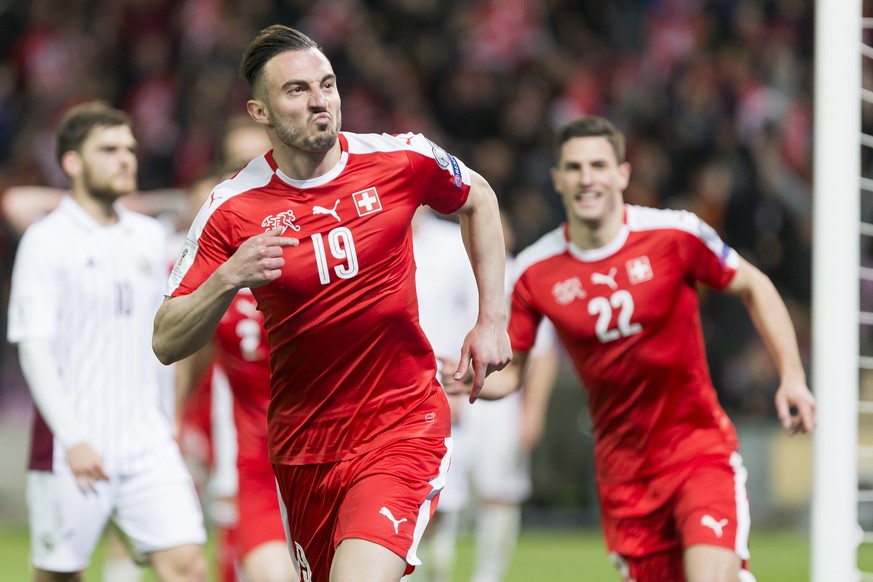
[627, 314]
[351, 368]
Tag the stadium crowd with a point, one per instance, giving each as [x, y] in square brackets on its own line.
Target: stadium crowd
[715, 96]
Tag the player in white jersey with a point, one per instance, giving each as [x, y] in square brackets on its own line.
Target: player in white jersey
[86, 283]
[492, 440]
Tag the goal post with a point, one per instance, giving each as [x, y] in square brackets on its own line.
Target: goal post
[835, 533]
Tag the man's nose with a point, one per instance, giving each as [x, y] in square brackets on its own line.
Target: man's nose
[318, 100]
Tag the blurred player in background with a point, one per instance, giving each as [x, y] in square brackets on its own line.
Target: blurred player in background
[492, 440]
[619, 284]
[103, 445]
[241, 354]
[359, 427]
[252, 538]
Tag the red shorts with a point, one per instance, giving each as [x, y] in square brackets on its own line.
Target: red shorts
[260, 520]
[385, 496]
[702, 501]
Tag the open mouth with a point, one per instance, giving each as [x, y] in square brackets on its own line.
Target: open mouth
[586, 196]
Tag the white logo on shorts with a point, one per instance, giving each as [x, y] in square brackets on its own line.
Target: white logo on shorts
[387, 513]
[716, 526]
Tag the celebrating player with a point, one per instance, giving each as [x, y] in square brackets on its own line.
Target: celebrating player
[319, 229]
[618, 282]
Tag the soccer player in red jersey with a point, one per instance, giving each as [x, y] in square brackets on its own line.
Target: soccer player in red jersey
[319, 229]
[241, 352]
[619, 283]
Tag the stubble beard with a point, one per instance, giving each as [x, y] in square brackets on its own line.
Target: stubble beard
[104, 191]
[319, 142]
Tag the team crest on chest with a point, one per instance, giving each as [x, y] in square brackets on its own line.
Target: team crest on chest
[639, 270]
[283, 220]
[567, 291]
[367, 201]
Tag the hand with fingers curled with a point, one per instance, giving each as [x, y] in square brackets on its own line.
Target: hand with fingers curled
[453, 387]
[795, 406]
[86, 465]
[259, 260]
[486, 349]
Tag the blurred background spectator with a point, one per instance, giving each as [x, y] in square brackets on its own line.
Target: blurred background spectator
[715, 96]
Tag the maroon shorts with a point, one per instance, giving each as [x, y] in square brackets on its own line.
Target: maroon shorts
[703, 501]
[385, 496]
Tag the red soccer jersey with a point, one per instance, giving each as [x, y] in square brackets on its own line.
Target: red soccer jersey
[243, 353]
[351, 368]
[628, 316]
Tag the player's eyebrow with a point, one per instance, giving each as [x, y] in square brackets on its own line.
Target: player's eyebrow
[293, 82]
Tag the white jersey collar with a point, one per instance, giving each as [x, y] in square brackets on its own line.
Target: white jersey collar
[81, 216]
[600, 253]
[320, 180]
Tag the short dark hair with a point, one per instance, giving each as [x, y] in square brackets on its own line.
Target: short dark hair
[268, 43]
[591, 126]
[78, 123]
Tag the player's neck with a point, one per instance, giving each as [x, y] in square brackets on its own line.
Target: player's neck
[589, 235]
[101, 210]
[300, 165]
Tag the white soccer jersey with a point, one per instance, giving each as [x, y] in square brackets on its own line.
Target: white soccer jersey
[446, 288]
[92, 292]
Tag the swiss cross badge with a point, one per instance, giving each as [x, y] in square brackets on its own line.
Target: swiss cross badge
[367, 201]
[639, 270]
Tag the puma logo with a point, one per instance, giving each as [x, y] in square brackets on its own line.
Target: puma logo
[608, 279]
[322, 210]
[387, 513]
[715, 526]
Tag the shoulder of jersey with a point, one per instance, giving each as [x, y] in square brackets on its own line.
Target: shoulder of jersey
[547, 246]
[641, 218]
[256, 174]
[366, 143]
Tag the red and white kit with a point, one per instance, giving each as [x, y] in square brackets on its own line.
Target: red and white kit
[627, 314]
[352, 371]
[243, 354]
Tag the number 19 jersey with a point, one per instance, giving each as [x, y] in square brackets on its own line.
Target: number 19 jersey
[351, 368]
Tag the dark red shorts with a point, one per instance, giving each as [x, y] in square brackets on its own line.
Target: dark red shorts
[260, 519]
[703, 501]
[385, 496]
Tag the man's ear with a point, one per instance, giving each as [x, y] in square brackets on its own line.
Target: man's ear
[258, 111]
[71, 163]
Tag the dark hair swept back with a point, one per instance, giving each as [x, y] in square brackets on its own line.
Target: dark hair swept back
[591, 126]
[268, 43]
[78, 123]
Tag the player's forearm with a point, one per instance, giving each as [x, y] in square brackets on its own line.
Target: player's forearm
[773, 322]
[483, 237]
[184, 324]
[539, 381]
[41, 372]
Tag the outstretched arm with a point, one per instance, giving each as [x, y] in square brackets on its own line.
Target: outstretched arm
[184, 324]
[795, 404]
[539, 380]
[487, 344]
